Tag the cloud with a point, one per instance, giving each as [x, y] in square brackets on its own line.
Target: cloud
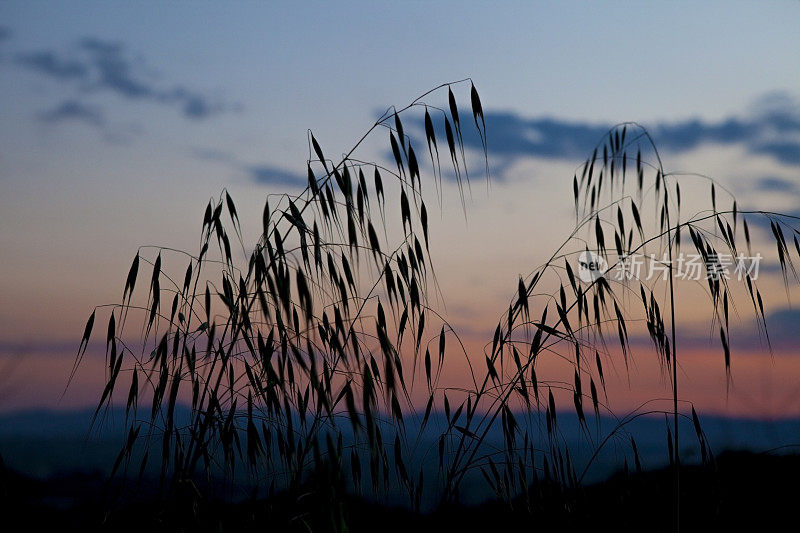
[784, 151]
[775, 184]
[116, 73]
[5, 34]
[97, 64]
[267, 174]
[788, 188]
[114, 70]
[772, 128]
[195, 105]
[47, 62]
[73, 110]
[263, 173]
[782, 326]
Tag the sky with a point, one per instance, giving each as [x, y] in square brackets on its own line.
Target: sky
[121, 120]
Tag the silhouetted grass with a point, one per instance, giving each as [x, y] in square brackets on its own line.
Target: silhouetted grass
[299, 358]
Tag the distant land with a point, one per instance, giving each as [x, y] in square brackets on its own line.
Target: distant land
[44, 443]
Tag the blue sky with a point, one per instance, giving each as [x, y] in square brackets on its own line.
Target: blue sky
[120, 120]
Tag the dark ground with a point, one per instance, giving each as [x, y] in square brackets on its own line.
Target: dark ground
[742, 490]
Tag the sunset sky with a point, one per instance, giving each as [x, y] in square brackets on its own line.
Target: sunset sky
[120, 121]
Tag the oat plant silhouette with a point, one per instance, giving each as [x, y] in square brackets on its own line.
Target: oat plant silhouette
[304, 356]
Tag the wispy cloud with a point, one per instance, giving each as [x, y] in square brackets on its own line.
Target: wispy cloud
[114, 71]
[782, 150]
[782, 327]
[96, 64]
[772, 128]
[49, 63]
[73, 110]
[775, 184]
[267, 174]
[261, 173]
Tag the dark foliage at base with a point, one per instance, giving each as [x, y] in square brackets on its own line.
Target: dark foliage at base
[739, 490]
